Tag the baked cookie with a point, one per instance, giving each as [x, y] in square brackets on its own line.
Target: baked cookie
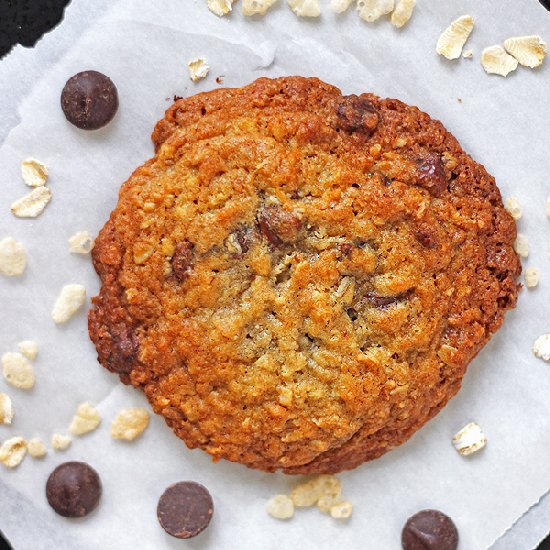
[298, 279]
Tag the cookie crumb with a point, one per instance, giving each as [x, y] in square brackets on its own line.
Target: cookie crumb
[280, 507]
[468, 54]
[6, 409]
[326, 502]
[529, 51]
[403, 12]
[547, 209]
[469, 439]
[60, 442]
[13, 258]
[521, 245]
[305, 8]
[340, 6]
[70, 299]
[130, 423]
[219, 79]
[372, 10]
[33, 203]
[36, 448]
[220, 7]
[541, 347]
[495, 60]
[13, 451]
[453, 38]
[34, 172]
[532, 275]
[85, 420]
[341, 510]
[198, 69]
[81, 242]
[17, 370]
[256, 7]
[28, 348]
[514, 208]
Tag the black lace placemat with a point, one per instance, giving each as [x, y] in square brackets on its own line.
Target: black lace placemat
[25, 21]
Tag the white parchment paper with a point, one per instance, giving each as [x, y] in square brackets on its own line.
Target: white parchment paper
[144, 47]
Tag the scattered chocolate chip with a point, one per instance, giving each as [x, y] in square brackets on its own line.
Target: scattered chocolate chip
[357, 114]
[89, 100]
[185, 509]
[219, 79]
[181, 260]
[73, 489]
[429, 530]
[278, 225]
[431, 174]
[426, 238]
[384, 301]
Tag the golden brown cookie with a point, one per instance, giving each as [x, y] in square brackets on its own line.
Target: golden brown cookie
[298, 279]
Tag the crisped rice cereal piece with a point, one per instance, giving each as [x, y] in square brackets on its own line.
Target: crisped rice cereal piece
[130, 423]
[13, 258]
[85, 420]
[69, 301]
[17, 370]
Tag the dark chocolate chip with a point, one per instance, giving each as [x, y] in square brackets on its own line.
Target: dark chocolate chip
[278, 225]
[352, 313]
[123, 349]
[181, 260]
[73, 489]
[356, 113]
[429, 530]
[431, 174]
[426, 238]
[89, 100]
[185, 509]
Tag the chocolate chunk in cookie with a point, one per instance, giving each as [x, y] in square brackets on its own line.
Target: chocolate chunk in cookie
[356, 113]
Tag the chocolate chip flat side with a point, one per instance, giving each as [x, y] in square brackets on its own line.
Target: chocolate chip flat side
[299, 279]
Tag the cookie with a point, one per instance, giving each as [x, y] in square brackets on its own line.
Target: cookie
[299, 278]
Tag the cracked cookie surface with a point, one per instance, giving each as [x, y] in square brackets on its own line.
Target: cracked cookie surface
[299, 279]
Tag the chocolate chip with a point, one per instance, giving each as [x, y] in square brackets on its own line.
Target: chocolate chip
[245, 236]
[429, 530]
[73, 489]
[89, 100]
[185, 509]
[384, 301]
[346, 248]
[181, 260]
[123, 349]
[357, 114]
[431, 174]
[426, 238]
[278, 225]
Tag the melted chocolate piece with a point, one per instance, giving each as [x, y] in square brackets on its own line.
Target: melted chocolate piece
[89, 100]
[185, 509]
[278, 225]
[429, 530]
[431, 174]
[73, 489]
[181, 260]
[357, 114]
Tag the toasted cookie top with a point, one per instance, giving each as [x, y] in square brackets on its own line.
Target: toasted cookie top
[298, 279]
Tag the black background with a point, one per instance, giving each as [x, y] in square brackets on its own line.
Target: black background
[25, 21]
